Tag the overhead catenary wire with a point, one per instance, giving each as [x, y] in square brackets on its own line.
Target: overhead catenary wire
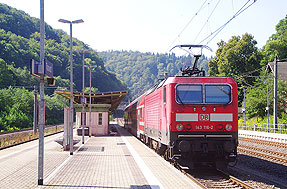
[184, 28]
[248, 85]
[218, 30]
[206, 20]
[250, 72]
[213, 34]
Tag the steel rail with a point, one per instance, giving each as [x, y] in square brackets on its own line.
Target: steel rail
[263, 150]
[221, 179]
[264, 142]
[263, 155]
[236, 180]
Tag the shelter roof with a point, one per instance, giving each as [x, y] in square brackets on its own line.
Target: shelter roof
[114, 98]
[281, 67]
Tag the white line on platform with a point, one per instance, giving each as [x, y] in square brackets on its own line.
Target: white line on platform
[171, 167]
[47, 179]
[151, 179]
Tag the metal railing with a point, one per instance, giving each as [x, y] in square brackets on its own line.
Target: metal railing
[263, 127]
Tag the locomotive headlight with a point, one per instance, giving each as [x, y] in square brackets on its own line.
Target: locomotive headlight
[179, 127]
[228, 127]
[219, 127]
[188, 127]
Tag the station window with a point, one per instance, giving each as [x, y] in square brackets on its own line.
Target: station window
[100, 119]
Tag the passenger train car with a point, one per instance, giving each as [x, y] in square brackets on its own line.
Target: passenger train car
[190, 120]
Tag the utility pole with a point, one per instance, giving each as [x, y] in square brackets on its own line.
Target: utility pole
[275, 93]
[244, 110]
[35, 111]
[267, 108]
[90, 107]
[42, 100]
[83, 102]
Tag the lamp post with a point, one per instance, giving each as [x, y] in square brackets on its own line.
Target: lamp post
[42, 99]
[71, 79]
[90, 95]
[83, 116]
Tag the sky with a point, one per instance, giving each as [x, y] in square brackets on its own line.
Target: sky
[158, 25]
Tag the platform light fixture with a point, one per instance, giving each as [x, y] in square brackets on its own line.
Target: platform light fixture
[71, 79]
[90, 100]
[83, 98]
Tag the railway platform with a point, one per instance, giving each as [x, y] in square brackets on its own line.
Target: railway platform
[102, 162]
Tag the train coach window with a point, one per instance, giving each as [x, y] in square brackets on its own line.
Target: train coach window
[186, 93]
[141, 113]
[219, 94]
[164, 95]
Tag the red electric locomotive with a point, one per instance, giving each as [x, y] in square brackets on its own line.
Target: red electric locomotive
[190, 120]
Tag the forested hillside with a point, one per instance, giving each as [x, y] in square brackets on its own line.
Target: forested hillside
[140, 71]
[19, 43]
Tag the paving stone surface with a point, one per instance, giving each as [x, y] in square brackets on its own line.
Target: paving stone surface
[102, 162]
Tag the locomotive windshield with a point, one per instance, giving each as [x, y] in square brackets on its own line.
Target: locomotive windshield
[189, 94]
[198, 93]
[217, 94]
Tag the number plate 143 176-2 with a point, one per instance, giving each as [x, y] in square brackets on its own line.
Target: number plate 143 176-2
[204, 127]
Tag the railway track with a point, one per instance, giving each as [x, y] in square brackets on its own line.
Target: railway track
[263, 152]
[264, 142]
[210, 178]
[216, 179]
[12, 138]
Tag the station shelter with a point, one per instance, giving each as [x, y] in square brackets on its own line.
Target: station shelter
[102, 105]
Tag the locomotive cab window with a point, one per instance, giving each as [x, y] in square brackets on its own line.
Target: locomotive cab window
[186, 93]
[218, 94]
[203, 93]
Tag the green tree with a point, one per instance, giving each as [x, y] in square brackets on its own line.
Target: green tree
[93, 90]
[16, 108]
[7, 75]
[256, 98]
[238, 56]
[277, 43]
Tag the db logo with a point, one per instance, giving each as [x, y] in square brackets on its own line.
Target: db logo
[203, 117]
